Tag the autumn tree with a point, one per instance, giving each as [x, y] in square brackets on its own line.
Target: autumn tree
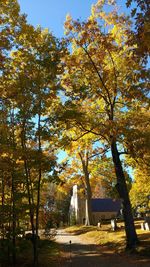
[139, 194]
[81, 153]
[103, 81]
[30, 87]
[11, 22]
[104, 178]
[82, 158]
[139, 154]
[36, 83]
[138, 143]
[55, 207]
[140, 11]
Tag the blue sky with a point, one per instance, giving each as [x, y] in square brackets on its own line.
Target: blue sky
[51, 13]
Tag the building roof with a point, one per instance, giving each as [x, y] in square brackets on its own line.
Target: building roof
[105, 205]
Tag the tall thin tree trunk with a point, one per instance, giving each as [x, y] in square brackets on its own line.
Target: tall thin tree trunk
[39, 180]
[88, 193]
[29, 190]
[131, 236]
[2, 213]
[88, 217]
[88, 220]
[31, 209]
[13, 220]
[13, 192]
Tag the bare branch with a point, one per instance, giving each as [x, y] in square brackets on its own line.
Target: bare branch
[100, 77]
[124, 153]
[99, 153]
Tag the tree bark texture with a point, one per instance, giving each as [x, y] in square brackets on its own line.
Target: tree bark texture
[88, 193]
[131, 236]
[30, 193]
[13, 221]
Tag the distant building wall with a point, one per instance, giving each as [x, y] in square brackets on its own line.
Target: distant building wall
[81, 211]
[102, 216]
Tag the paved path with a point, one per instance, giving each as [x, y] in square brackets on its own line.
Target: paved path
[80, 253]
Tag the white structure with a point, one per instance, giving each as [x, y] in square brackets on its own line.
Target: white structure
[77, 206]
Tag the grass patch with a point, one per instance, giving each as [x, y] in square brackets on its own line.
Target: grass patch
[115, 240]
[79, 229]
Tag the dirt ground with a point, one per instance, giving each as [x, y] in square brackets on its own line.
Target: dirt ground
[77, 252]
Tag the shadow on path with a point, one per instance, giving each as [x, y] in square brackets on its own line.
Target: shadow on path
[77, 252]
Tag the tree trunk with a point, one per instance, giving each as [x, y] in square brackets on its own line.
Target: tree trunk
[30, 200]
[29, 190]
[13, 221]
[88, 193]
[39, 182]
[88, 211]
[3, 213]
[131, 236]
[88, 218]
[13, 189]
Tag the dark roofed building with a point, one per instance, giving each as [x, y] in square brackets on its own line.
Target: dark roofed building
[102, 208]
[105, 205]
[105, 208]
